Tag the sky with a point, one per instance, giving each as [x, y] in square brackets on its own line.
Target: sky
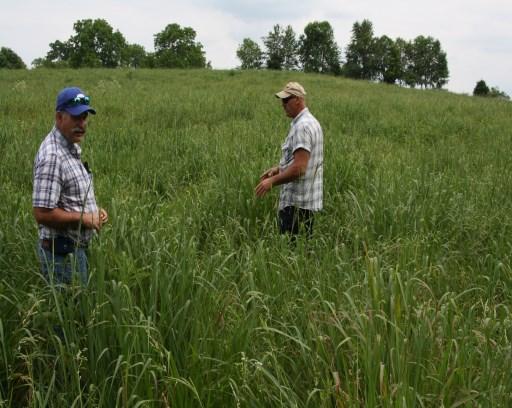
[475, 34]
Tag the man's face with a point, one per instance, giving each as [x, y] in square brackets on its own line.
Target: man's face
[291, 106]
[72, 127]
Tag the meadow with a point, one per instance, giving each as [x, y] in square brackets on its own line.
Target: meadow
[401, 299]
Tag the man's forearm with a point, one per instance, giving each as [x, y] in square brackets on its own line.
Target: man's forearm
[293, 172]
[57, 218]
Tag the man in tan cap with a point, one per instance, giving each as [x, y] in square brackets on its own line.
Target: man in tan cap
[300, 171]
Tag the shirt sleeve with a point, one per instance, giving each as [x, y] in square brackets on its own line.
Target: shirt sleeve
[302, 139]
[47, 182]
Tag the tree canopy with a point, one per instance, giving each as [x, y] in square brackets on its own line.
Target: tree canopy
[281, 48]
[318, 50]
[361, 60]
[10, 60]
[96, 44]
[175, 47]
[250, 54]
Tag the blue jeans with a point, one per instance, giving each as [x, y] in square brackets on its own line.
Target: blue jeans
[294, 220]
[61, 268]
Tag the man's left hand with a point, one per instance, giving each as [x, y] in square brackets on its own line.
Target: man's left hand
[103, 216]
[263, 188]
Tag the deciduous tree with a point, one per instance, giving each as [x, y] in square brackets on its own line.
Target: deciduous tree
[10, 60]
[318, 50]
[360, 55]
[176, 47]
[481, 89]
[250, 55]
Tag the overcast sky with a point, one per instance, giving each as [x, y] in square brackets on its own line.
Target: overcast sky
[475, 34]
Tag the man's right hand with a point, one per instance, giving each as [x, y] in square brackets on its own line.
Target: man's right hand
[92, 221]
[270, 173]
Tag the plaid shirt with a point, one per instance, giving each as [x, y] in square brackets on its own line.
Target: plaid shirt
[61, 181]
[306, 191]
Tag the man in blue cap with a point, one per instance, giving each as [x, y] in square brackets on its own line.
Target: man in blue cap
[63, 195]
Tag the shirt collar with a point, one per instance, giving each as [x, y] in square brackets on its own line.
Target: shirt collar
[301, 113]
[73, 148]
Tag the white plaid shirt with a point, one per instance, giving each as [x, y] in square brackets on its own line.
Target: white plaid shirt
[61, 181]
[306, 191]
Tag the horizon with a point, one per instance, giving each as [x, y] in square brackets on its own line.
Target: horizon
[473, 54]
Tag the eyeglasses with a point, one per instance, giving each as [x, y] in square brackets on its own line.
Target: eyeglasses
[78, 100]
[286, 100]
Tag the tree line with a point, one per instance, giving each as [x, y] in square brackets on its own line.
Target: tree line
[481, 89]
[95, 44]
[420, 62]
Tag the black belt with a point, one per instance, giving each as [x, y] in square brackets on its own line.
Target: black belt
[61, 244]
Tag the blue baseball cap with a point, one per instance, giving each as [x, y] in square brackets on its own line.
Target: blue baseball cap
[73, 101]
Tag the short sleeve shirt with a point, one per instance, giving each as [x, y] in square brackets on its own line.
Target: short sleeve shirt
[62, 181]
[307, 191]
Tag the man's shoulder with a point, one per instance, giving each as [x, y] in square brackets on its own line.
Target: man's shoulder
[307, 122]
[48, 149]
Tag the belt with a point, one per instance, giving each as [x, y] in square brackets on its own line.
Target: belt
[49, 244]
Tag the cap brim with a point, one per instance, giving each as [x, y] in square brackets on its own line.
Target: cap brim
[283, 95]
[79, 109]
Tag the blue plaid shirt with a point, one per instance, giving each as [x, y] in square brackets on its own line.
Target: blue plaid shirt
[61, 181]
[307, 191]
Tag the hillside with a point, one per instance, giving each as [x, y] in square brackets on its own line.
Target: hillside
[402, 298]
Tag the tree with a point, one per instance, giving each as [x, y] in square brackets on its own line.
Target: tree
[495, 92]
[290, 49]
[429, 64]
[134, 56]
[94, 44]
[481, 89]
[281, 49]
[404, 50]
[360, 55]
[318, 50]
[175, 47]
[387, 56]
[274, 48]
[250, 55]
[10, 60]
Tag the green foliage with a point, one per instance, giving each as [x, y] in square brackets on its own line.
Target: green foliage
[495, 92]
[135, 56]
[94, 44]
[428, 63]
[318, 49]
[402, 298]
[361, 60]
[481, 89]
[175, 47]
[10, 60]
[281, 49]
[250, 55]
[387, 60]
[421, 62]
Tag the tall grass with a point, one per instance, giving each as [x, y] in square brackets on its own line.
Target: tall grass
[402, 298]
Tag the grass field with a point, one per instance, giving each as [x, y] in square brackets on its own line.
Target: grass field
[402, 298]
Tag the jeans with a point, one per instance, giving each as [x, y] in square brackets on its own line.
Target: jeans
[293, 220]
[61, 268]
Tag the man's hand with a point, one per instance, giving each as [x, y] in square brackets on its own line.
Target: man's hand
[95, 220]
[92, 221]
[263, 187]
[103, 216]
[269, 173]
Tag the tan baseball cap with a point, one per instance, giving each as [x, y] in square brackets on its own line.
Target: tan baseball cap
[292, 88]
